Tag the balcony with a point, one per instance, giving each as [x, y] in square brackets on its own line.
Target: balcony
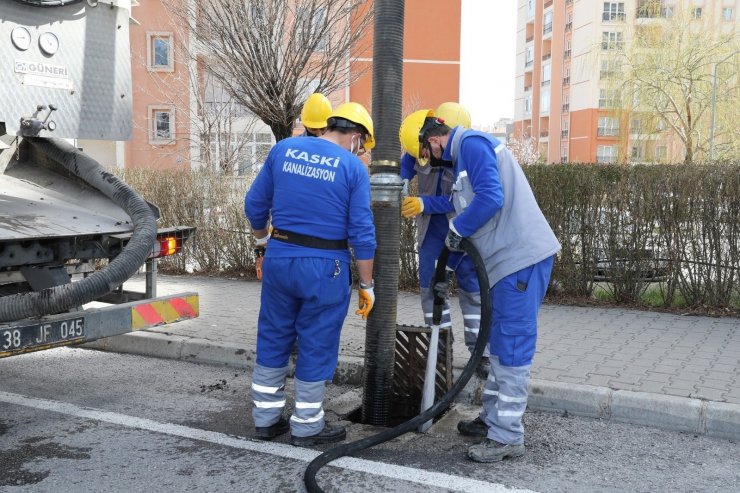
[547, 3]
[529, 38]
[568, 27]
[546, 56]
[566, 81]
[564, 134]
[566, 107]
[547, 29]
[544, 135]
[528, 64]
[566, 54]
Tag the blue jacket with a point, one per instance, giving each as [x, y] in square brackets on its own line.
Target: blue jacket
[313, 187]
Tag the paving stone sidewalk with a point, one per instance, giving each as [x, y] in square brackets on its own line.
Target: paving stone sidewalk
[603, 362]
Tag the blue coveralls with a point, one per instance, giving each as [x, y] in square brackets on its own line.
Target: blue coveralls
[497, 211]
[316, 188]
[434, 187]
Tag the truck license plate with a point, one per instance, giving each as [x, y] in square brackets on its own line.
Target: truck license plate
[15, 339]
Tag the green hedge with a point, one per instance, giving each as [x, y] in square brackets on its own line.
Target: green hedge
[624, 229]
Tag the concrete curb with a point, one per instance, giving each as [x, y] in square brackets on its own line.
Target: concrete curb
[716, 419]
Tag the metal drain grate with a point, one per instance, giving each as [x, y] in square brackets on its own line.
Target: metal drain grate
[412, 346]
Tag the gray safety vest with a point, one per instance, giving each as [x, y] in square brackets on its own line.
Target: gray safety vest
[427, 178]
[518, 235]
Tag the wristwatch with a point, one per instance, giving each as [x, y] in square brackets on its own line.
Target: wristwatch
[370, 285]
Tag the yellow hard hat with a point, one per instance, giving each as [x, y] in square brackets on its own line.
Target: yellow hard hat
[453, 114]
[357, 114]
[409, 131]
[315, 111]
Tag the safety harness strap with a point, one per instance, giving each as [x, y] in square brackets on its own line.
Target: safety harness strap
[308, 241]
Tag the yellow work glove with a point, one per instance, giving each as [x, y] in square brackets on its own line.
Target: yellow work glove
[412, 206]
[367, 299]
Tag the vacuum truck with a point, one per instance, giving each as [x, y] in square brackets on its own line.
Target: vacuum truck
[71, 232]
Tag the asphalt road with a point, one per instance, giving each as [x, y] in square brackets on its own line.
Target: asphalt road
[79, 420]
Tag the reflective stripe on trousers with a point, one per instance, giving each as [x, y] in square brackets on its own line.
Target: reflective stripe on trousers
[268, 394]
[308, 416]
[504, 401]
[470, 307]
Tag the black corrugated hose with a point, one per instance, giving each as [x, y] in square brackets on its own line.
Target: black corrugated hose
[59, 299]
[309, 477]
[380, 332]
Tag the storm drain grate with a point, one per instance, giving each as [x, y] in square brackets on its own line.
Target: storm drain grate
[412, 346]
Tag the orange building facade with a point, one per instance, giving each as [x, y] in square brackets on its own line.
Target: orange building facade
[165, 136]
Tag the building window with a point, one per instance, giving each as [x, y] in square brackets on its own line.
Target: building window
[547, 21]
[611, 41]
[566, 76]
[566, 102]
[566, 53]
[727, 13]
[569, 22]
[636, 152]
[653, 9]
[606, 154]
[564, 129]
[239, 153]
[609, 69]
[696, 12]
[528, 105]
[159, 56]
[530, 8]
[608, 127]
[311, 27]
[546, 71]
[608, 98]
[636, 126]
[661, 153]
[529, 56]
[613, 11]
[545, 101]
[564, 154]
[161, 125]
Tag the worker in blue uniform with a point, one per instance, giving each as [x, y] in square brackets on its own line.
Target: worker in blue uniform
[432, 210]
[314, 115]
[497, 211]
[316, 194]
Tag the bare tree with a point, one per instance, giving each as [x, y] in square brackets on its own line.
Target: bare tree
[269, 55]
[525, 150]
[667, 82]
[217, 127]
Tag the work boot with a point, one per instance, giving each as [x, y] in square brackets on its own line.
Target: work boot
[482, 369]
[330, 434]
[473, 428]
[270, 432]
[492, 451]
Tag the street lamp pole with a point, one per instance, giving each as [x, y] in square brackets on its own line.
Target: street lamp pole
[714, 101]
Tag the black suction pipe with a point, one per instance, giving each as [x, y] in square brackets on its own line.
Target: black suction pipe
[385, 189]
[309, 477]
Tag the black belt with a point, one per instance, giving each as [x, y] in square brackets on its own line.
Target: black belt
[308, 241]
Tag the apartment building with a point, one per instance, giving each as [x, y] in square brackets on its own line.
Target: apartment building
[166, 123]
[565, 70]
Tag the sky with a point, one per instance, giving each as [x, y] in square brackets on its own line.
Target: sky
[487, 59]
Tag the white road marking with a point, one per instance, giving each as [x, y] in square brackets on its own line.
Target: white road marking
[436, 479]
